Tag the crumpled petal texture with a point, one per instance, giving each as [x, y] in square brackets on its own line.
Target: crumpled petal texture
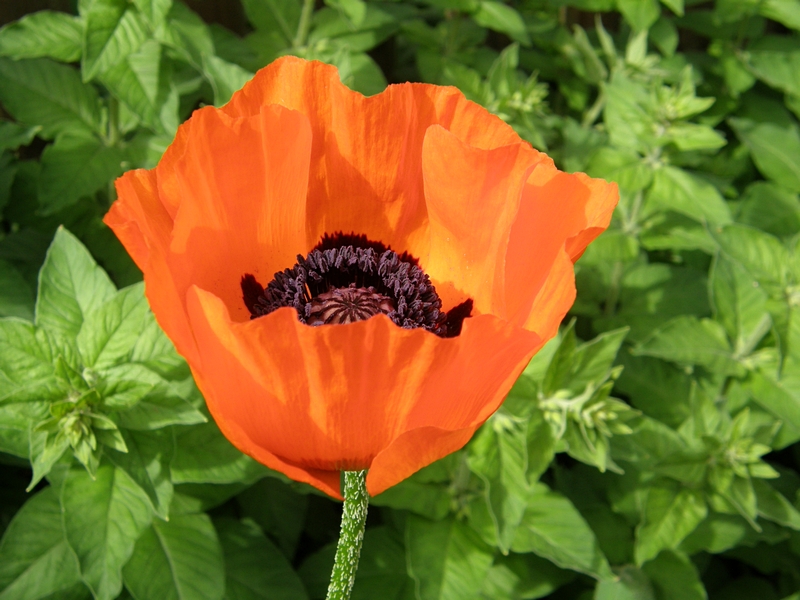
[295, 155]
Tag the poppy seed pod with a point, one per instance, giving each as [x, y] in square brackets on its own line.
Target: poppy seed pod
[356, 283]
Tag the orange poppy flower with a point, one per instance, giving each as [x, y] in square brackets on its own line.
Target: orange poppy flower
[291, 162]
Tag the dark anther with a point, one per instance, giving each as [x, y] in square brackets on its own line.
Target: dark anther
[456, 316]
[348, 278]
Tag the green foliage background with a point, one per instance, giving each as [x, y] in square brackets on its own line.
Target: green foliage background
[650, 452]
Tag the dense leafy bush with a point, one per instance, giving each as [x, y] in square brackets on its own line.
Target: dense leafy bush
[655, 460]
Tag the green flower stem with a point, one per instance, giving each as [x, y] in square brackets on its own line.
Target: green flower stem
[304, 24]
[354, 517]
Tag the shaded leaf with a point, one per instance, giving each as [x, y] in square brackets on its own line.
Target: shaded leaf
[40, 92]
[774, 149]
[675, 577]
[35, 560]
[670, 514]
[103, 517]
[205, 456]
[254, 568]
[147, 463]
[71, 285]
[501, 17]
[446, 559]
[112, 30]
[73, 167]
[16, 296]
[554, 529]
[180, 559]
[45, 33]
[691, 341]
[108, 335]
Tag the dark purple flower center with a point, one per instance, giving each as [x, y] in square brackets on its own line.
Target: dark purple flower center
[348, 278]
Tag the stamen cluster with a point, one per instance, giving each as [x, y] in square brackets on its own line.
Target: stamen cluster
[352, 281]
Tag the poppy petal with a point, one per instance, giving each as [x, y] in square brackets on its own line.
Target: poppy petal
[603, 198]
[410, 452]
[333, 397]
[355, 138]
[554, 299]
[473, 196]
[247, 179]
[143, 225]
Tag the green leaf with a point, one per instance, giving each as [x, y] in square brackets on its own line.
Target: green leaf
[141, 81]
[554, 529]
[331, 29]
[180, 559]
[786, 12]
[630, 584]
[225, 78]
[186, 33]
[71, 286]
[103, 517]
[15, 424]
[693, 341]
[498, 455]
[501, 17]
[689, 137]
[770, 208]
[775, 60]
[353, 11]
[431, 500]
[520, 576]
[108, 335]
[16, 296]
[45, 33]
[775, 398]
[278, 509]
[45, 451]
[161, 405]
[274, 15]
[12, 135]
[675, 6]
[74, 167]
[40, 92]
[254, 567]
[629, 124]
[761, 254]
[558, 370]
[446, 559]
[688, 194]
[112, 31]
[671, 513]
[774, 148]
[154, 350]
[147, 463]
[721, 532]
[740, 305]
[154, 11]
[35, 560]
[675, 577]
[640, 14]
[123, 386]
[26, 364]
[625, 167]
[657, 388]
[593, 360]
[205, 456]
[774, 506]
